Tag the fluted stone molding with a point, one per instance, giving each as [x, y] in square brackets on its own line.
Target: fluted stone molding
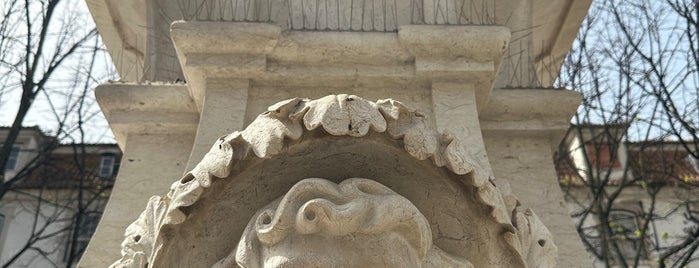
[147, 240]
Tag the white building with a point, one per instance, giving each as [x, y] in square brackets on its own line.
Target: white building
[657, 178]
[46, 220]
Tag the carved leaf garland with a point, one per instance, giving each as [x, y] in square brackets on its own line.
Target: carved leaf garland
[339, 115]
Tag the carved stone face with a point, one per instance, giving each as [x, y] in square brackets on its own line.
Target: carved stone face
[356, 250]
[357, 223]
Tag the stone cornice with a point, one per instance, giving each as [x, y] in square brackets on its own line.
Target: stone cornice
[264, 54]
[147, 108]
[539, 112]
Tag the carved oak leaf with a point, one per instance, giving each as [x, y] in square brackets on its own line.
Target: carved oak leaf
[217, 162]
[266, 134]
[183, 193]
[421, 143]
[419, 139]
[537, 242]
[343, 115]
[457, 160]
[491, 196]
[141, 235]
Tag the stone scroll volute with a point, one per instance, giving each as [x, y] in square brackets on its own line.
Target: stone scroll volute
[251, 195]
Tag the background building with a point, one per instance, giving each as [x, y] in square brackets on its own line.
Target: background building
[642, 194]
[50, 213]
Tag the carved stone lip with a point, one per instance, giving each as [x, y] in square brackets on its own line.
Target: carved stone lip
[337, 115]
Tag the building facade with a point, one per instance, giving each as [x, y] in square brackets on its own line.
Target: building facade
[56, 199]
[644, 193]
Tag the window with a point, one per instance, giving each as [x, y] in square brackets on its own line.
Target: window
[106, 168]
[626, 225]
[86, 227]
[625, 222]
[14, 158]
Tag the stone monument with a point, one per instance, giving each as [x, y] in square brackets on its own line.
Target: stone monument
[424, 176]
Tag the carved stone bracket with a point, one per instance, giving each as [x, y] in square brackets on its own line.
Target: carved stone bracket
[146, 241]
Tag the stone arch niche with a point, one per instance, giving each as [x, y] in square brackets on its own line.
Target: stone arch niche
[471, 218]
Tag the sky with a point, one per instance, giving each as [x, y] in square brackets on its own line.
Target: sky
[58, 101]
[607, 50]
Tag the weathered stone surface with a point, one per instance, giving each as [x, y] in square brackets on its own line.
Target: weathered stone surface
[337, 137]
[238, 57]
[545, 29]
[358, 223]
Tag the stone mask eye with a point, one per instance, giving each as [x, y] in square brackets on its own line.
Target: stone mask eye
[264, 219]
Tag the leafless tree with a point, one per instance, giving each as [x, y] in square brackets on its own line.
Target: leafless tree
[58, 203]
[46, 55]
[49, 64]
[630, 171]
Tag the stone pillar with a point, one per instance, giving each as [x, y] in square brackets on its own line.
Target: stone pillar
[223, 111]
[519, 129]
[154, 125]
